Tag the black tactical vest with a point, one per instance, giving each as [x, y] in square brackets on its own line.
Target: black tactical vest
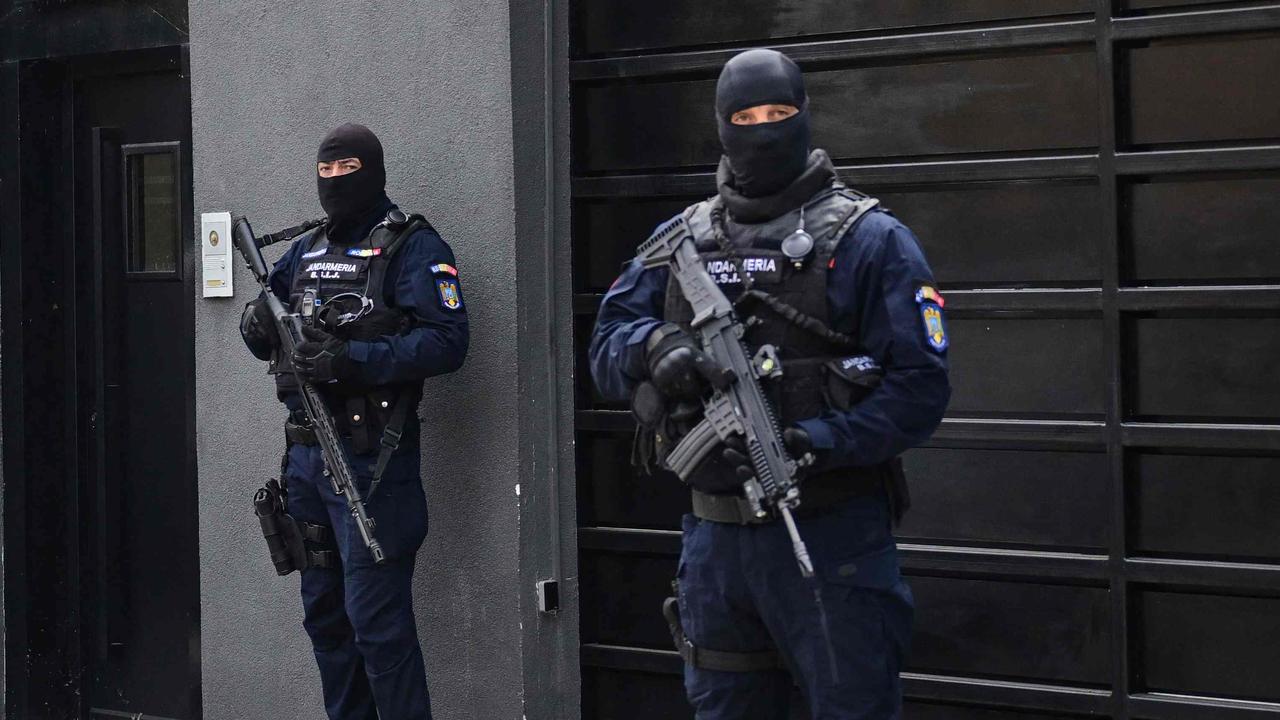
[341, 289]
[808, 358]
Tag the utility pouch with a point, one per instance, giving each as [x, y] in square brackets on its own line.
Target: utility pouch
[286, 538]
[357, 422]
[850, 379]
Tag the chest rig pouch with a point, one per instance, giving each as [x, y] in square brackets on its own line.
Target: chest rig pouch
[341, 289]
[783, 304]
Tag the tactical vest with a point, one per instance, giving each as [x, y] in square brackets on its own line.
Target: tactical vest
[341, 289]
[787, 307]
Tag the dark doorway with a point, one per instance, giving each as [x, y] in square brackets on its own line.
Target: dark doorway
[107, 595]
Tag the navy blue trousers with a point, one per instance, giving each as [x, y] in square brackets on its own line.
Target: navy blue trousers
[360, 615]
[741, 590]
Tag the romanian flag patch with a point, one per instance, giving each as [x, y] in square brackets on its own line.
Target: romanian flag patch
[444, 269]
[363, 252]
[928, 293]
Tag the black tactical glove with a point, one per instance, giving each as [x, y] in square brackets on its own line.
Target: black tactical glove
[798, 443]
[673, 358]
[321, 357]
[258, 329]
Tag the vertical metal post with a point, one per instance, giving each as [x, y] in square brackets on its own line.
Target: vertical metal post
[1109, 190]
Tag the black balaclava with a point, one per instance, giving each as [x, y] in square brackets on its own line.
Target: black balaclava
[767, 157]
[346, 199]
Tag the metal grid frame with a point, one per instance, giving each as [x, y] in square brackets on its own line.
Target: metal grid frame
[1117, 571]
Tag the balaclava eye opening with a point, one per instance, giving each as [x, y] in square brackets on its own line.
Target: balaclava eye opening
[765, 158]
[347, 198]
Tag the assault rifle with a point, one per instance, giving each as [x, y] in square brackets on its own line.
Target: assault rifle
[289, 327]
[737, 405]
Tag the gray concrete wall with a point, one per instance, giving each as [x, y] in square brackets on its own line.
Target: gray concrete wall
[268, 79]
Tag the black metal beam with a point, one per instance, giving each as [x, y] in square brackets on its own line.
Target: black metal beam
[1217, 297]
[1206, 22]
[989, 39]
[1248, 578]
[629, 540]
[1019, 434]
[1202, 436]
[621, 657]
[865, 175]
[998, 563]
[1004, 694]
[1159, 706]
[1206, 159]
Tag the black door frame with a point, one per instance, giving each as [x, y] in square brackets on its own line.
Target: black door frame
[37, 202]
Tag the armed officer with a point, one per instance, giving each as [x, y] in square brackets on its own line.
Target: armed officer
[380, 293]
[840, 292]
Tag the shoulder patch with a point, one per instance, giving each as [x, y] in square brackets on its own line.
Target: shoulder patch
[444, 269]
[935, 330]
[450, 295]
[926, 293]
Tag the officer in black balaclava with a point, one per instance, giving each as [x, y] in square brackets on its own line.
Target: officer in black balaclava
[382, 301]
[840, 289]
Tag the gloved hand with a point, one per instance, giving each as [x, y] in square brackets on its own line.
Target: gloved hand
[257, 327]
[798, 443]
[673, 357]
[321, 357]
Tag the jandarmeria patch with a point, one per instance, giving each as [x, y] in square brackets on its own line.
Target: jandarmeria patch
[935, 327]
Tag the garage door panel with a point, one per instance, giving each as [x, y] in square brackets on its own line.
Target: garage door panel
[1012, 518]
[1049, 367]
[609, 231]
[997, 104]
[1050, 633]
[1203, 230]
[1217, 506]
[1031, 498]
[1005, 234]
[622, 598]
[1212, 368]
[1199, 644]
[1225, 90]
[606, 26]
[614, 694]
[611, 493]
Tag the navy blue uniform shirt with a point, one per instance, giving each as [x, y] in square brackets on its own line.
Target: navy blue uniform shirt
[436, 341]
[873, 284]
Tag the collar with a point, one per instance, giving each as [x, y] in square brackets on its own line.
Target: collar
[818, 174]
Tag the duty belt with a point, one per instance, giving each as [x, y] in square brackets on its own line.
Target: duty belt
[818, 495]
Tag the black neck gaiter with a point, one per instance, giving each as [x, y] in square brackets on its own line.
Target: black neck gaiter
[347, 199]
[817, 176]
[767, 157]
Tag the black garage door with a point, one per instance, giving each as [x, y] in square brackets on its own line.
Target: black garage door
[1097, 185]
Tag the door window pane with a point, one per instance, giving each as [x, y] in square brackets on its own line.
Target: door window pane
[153, 212]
